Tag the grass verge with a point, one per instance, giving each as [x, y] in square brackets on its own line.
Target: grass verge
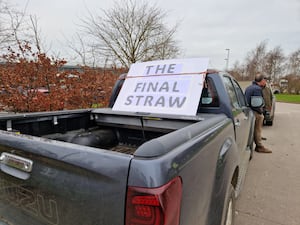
[288, 98]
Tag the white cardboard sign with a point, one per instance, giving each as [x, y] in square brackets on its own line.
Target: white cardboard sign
[166, 86]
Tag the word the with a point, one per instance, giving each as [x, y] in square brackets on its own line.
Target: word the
[163, 69]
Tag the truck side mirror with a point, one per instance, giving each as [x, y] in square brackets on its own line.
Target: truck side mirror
[257, 101]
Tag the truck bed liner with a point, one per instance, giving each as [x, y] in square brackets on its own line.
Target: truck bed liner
[123, 148]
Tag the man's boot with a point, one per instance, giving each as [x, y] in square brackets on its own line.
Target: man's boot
[262, 149]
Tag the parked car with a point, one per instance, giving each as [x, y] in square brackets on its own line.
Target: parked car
[270, 102]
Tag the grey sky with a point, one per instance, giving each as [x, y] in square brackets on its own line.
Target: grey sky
[207, 27]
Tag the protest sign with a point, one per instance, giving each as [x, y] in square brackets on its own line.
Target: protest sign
[165, 86]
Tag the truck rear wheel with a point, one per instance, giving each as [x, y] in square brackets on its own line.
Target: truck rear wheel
[230, 208]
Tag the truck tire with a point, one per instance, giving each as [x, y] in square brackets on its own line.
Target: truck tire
[269, 122]
[230, 207]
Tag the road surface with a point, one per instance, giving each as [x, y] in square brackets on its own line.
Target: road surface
[271, 194]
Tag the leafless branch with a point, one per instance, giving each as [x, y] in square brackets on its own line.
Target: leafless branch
[131, 31]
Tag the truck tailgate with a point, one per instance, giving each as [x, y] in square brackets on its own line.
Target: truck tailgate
[68, 183]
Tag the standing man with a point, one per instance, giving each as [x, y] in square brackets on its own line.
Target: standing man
[268, 97]
[255, 89]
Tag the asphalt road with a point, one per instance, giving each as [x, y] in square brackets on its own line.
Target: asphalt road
[271, 193]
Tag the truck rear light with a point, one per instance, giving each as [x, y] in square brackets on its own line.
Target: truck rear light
[154, 206]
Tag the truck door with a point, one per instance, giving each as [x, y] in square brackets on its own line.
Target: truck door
[242, 119]
[240, 112]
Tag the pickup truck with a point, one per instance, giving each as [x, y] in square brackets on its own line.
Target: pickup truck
[107, 167]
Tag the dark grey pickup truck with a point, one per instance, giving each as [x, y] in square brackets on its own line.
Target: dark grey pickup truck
[106, 167]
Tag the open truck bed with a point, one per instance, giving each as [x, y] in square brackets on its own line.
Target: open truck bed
[99, 128]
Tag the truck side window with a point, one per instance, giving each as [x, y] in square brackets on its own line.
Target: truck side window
[240, 94]
[209, 96]
[231, 92]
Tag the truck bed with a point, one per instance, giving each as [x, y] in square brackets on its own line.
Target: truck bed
[100, 128]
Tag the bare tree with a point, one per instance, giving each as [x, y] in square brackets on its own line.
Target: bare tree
[273, 63]
[36, 33]
[79, 50]
[16, 27]
[293, 63]
[238, 71]
[11, 24]
[255, 60]
[86, 52]
[131, 31]
[5, 32]
[268, 62]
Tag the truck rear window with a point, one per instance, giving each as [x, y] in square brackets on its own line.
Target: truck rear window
[209, 96]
